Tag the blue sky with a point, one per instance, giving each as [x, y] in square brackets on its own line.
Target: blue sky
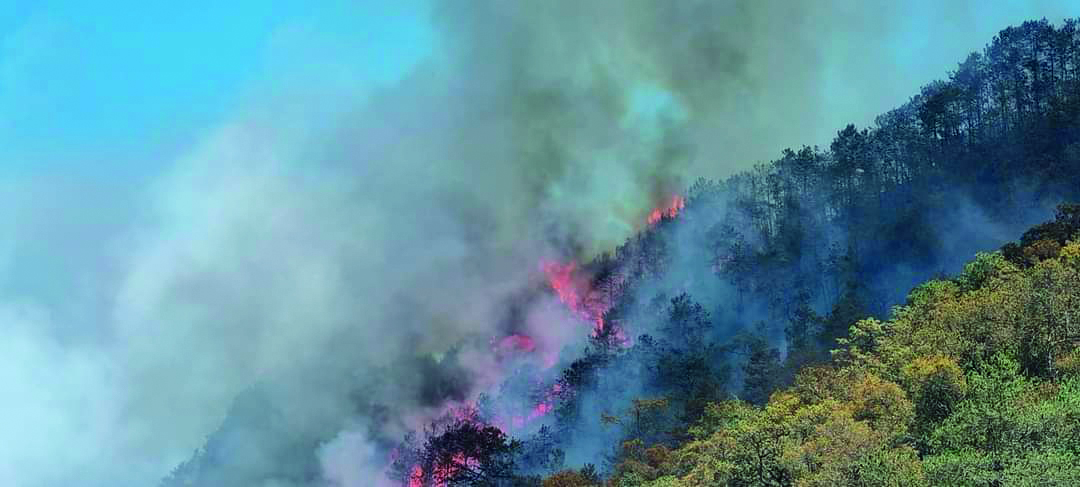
[127, 84]
[100, 100]
[89, 84]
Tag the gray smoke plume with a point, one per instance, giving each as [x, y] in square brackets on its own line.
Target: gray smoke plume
[297, 258]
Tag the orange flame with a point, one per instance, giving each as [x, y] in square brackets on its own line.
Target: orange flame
[670, 210]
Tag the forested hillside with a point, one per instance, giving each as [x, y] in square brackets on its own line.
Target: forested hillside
[974, 381]
[760, 276]
[748, 336]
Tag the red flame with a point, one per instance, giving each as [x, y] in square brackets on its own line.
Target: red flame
[564, 280]
[467, 413]
[442, 474]
[541, 410]
[574, 289]
[670, 210]
[416, 479]
[515, 343]
[547, 405]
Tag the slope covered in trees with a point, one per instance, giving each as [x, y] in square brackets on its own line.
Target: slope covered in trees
[781, 260]
[975, 381]
[761, 275]
[753, 287]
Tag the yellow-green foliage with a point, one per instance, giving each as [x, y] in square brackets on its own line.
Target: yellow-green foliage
[567, 478]
[883, 405]
[1070, 254]
[973, 382]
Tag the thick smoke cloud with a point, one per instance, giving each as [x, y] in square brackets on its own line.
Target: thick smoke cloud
[308, 251]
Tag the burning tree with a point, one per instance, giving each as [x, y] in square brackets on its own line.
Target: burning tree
[459, 450]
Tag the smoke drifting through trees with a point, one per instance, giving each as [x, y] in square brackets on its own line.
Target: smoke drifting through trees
[527, 129]
[349, 275]
[778, 259]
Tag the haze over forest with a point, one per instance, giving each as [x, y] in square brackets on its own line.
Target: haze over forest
[490, 243]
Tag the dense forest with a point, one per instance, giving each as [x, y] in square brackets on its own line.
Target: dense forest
[760, 334]
[974, 381]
